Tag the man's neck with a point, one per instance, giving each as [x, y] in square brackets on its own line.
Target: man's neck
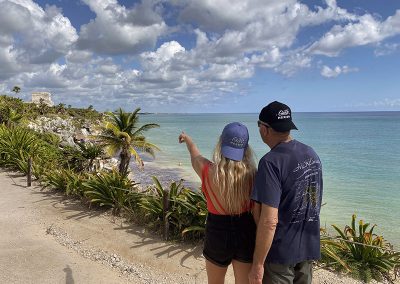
[280, 140]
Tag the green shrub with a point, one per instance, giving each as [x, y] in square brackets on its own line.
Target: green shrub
[110, 189]
[82, 158]
[73, 158]
[50, 138]
[360, 252]
[187, 209]
[197, 215]
[90, 151]
[17, 144]
[65, 180]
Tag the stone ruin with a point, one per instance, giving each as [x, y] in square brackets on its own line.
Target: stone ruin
[45, 96]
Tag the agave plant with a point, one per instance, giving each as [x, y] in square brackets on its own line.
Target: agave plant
[187, 210]
[12, 118]
[90, 152]
[18, 144]
[65, 180]
[360, 252]
[196, 226]
[110, 189]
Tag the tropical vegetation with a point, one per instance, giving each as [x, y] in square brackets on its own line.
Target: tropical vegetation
[355, 250]
[360, 252]
[110, 189]
[187, 209]
[122, 134]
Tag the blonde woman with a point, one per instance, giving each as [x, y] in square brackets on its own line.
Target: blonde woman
[227, 181]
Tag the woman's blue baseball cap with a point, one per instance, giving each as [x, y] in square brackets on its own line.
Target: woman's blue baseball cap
[234, 141]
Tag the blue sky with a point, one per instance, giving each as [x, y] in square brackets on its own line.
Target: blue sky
[204, 56]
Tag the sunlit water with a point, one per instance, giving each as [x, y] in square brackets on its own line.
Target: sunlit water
[360, 153]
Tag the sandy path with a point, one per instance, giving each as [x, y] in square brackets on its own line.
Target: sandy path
[29, 255]
[48, 238]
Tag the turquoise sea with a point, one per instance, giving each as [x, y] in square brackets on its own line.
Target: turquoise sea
[360, 153]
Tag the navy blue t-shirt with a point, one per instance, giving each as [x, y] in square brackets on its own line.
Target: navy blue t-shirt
[289, 178]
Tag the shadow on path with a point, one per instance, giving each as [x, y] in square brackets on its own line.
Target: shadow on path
[161, 248]
[69, 279]
[80, 210]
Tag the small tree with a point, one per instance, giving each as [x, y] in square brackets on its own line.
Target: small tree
[121, 134]
[16, 89]
[90, 152]
[43, 107]
[12, 118]
[60, 108]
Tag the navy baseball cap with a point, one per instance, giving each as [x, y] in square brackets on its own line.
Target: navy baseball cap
[234, 141]
[278, 116]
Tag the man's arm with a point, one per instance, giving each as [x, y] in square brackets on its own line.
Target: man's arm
[256, 211]
[265, 234]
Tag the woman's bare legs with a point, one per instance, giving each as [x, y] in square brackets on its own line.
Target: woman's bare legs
[241, 271]
[215, 273]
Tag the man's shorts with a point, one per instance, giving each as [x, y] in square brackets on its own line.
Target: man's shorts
[229, 237]
[300, 273]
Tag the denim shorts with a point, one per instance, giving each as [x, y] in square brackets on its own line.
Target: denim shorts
[229, 237]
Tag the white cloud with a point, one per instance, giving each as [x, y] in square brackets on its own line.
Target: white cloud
[51, 78]
[76, 56]
[31, 36]
[243, 26]
[293, 62]
[118, 30]
[164, 54]
[267, 59]
[365, 30]
[229, 41]
[336, 71]
[384, 104]
[386, 49]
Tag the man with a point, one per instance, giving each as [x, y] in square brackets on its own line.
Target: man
[287, 194]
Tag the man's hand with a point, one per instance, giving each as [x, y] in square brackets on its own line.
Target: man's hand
[256, 274]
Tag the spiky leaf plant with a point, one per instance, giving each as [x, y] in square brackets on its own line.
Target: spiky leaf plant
[18, 144]
[65, 180]
[110, 189]
[360, 252]
[187, 209]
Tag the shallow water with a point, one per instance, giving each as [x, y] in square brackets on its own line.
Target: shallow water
[360, 153]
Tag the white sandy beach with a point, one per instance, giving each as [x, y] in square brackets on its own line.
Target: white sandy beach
[49, 238]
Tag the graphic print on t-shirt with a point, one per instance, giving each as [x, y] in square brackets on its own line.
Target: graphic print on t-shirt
[308, 190]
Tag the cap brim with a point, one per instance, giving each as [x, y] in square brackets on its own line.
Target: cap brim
[283, 126]
[232, 153]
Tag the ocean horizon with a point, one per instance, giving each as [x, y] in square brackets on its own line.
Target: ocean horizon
[360, 154]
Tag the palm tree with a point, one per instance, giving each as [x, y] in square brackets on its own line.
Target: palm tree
[16, 89]
[122, 134]
[90, 152]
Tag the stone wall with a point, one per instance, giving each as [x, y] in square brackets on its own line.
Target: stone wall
[37, 96]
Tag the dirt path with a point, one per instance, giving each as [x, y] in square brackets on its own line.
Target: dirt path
[48, 238]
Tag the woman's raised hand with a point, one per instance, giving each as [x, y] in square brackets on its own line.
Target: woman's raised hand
[182, 137]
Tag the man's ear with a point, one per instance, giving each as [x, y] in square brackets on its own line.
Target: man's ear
[264, 130]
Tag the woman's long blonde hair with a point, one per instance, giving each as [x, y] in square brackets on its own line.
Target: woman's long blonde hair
[234, 179]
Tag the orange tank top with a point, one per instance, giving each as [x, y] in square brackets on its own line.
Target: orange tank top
[212, 201]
